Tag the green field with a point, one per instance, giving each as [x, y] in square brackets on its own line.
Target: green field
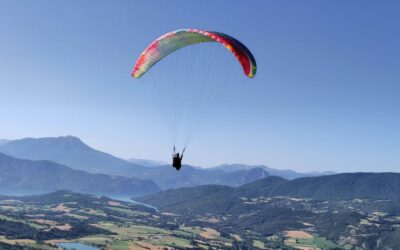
[319, 242]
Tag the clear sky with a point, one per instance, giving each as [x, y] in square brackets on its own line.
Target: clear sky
[326, 95]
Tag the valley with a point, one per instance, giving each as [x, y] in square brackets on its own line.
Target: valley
[44, 221]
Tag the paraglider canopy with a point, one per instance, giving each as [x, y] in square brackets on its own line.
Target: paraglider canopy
[175, 40]
[193, 97]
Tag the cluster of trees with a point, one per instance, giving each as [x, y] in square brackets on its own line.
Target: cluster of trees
[5, 246]
[19, 230]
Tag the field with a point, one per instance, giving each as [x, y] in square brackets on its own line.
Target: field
[98, 221]
[306, 241]
[42, 222]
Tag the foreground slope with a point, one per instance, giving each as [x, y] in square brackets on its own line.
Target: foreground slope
[39, 222]
[43, 221]
[344, 211]
[332, 187]
[40, 176]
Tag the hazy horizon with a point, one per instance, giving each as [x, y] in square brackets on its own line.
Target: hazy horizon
[325, 98]
[187, 163]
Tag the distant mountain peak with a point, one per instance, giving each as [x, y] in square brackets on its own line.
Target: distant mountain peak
[59, 138]
[44, 175]
[66, 138]
[63, 141]
[71, 151]
[284, 173]
[71, 139]
[4, 141]
[148, 163]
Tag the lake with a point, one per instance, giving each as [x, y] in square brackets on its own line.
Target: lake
[76, 245]
[130, 200]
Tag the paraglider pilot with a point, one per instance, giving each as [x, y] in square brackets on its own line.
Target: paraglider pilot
[177, 159]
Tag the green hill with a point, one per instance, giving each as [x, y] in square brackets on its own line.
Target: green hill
[332, 187]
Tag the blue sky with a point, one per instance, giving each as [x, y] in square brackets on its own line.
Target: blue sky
[326, 95]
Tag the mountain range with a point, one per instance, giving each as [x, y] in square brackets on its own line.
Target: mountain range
[214, 198]
[147, 163]
[46, 176]
[287, 173]
[190, 176]
[3, 141]
[72, 152]
[69, 151]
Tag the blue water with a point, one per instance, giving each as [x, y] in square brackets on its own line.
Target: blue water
[130, 200]
[144, 204]
[76, 245]
[8, 192]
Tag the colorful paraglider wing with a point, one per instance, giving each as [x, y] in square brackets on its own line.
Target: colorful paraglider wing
[175, 40]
